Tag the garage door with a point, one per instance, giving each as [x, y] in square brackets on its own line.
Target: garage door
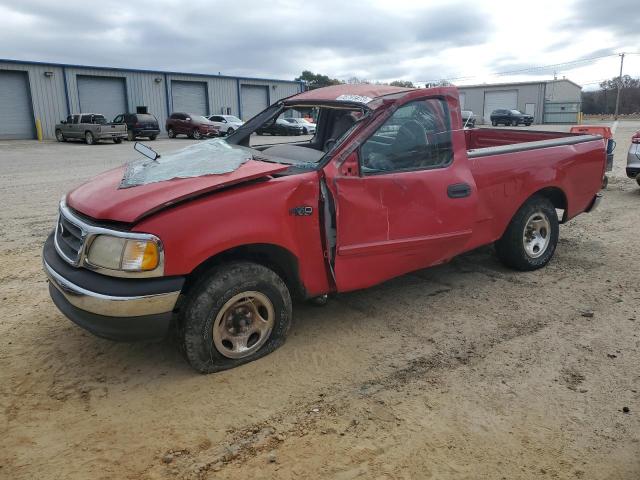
[189, 97]
[254, 99]
[507, 99]
[105, 95]
[16, 114]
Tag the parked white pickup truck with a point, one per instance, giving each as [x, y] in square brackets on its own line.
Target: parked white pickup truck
[90, 127]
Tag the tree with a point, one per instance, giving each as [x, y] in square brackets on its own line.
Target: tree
[316, 80]
[603, 101]
[402, 83]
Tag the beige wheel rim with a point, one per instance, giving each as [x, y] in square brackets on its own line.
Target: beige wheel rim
[243, 324]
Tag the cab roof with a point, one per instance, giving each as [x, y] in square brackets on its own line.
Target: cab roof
[352, 93]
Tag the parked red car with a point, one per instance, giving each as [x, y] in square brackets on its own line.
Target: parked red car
[389, 184]
[191, 125]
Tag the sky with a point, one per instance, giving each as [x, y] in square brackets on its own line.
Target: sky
[490, 41]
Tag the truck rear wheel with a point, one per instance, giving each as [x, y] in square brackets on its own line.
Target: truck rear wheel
[531, 238]
[236, 314]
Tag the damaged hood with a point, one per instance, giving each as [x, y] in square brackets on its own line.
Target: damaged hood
[133, 191]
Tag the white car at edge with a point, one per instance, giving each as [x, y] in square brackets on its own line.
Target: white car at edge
[226, 123]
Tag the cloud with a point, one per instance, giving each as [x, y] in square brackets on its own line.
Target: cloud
[616, 16]
[374, 39]
[261, 38]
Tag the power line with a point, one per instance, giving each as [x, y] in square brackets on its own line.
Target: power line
[530, 69]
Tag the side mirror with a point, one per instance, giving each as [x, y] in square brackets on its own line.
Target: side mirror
[146, 151]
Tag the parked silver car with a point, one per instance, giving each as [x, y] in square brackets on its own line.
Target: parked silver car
[90, 127]
[633, 158]
[308, 128]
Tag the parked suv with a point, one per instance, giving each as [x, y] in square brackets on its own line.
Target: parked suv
[191, 125]
[226, 123]
[139, 125]
[510, 117]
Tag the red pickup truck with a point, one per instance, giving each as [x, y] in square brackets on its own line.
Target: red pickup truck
[214, 241]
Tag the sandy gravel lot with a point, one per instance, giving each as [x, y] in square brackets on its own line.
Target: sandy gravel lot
[464, 371]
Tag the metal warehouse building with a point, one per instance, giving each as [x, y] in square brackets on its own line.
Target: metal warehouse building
[552, 101]
[49, 92]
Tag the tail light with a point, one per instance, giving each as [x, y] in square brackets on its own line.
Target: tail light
[636, 137]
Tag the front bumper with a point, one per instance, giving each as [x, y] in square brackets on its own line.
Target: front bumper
[110, 307]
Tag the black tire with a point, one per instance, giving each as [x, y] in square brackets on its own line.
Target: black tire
[196, 135]
[305, 131]
[171, 133]
[230, 131]
[514, 123]
[89, 138]
[605, 182]
[527, 124]
[638, 179]
[153, 137]
[494, 123]
[510, 247]
[131, 136]
[117, 140]
[209, 296]
[60, 136]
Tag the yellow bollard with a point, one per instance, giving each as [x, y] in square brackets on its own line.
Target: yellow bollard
[39, 129]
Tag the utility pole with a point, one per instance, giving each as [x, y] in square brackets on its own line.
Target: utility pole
[615, 116]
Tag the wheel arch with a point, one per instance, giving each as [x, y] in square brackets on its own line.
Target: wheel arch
[277, 258]
[556, 196]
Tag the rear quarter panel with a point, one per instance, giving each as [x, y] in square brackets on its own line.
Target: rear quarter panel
[256, 213]
[505, 181]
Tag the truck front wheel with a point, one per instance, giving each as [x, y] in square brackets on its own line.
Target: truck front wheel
[531, 238]
[236, 314]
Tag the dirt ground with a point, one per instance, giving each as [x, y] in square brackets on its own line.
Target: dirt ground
[464, 371]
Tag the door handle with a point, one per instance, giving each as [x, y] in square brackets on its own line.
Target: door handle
[459, 190]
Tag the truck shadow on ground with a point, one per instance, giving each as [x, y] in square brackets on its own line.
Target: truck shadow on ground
[350, 314]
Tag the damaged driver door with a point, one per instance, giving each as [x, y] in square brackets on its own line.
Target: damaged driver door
[403, 202]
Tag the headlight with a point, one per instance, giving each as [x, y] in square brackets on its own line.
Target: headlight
[129, 255]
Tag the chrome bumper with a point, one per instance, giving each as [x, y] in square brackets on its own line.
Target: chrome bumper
[111, 306]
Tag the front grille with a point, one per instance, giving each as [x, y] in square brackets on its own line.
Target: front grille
[69, 238]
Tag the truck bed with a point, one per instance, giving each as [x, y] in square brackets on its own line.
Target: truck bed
[482, 138]
[509, 165]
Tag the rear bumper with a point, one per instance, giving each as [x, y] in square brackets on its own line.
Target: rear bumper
[109, 307]
[106, 135]
[146, 132]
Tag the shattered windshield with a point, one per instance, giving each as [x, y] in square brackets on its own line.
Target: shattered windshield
[212, 157]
